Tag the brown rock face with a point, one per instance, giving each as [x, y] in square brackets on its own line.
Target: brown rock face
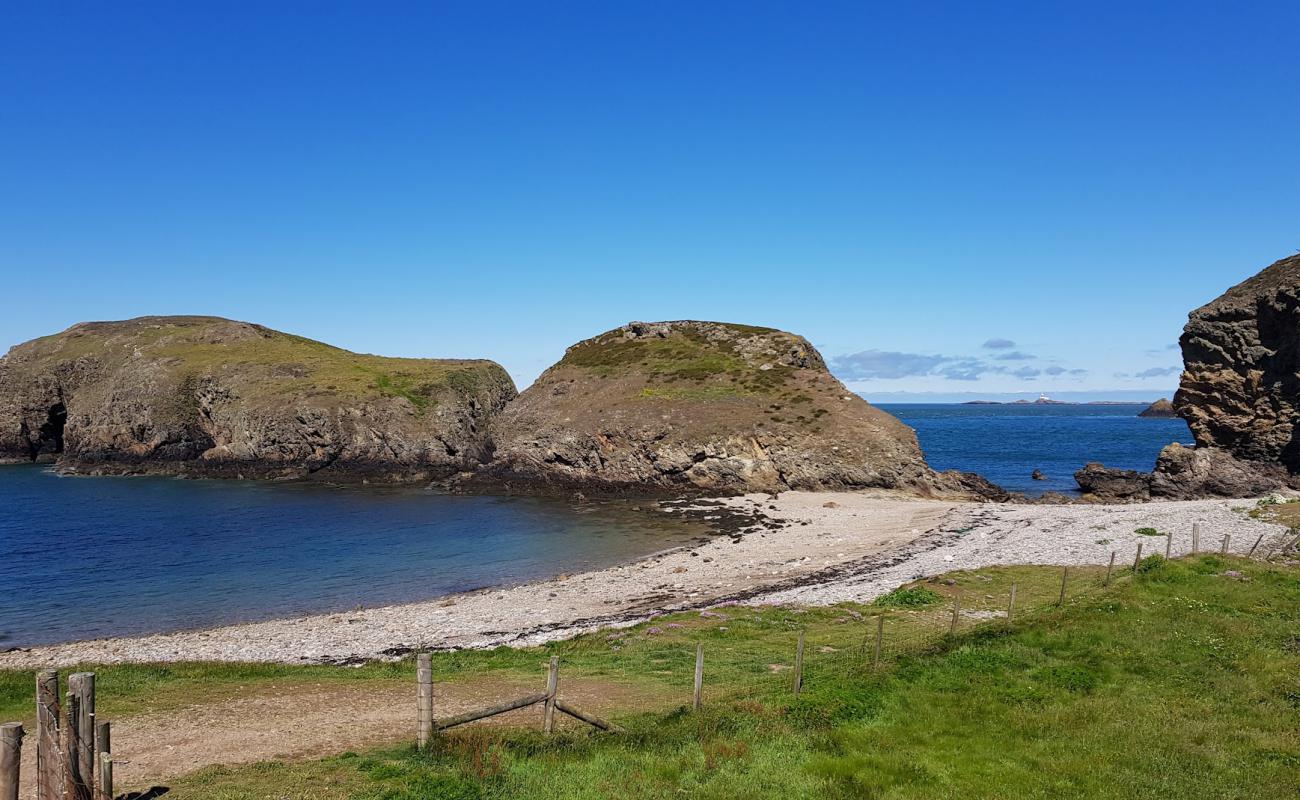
[210, 396]
[705, 408]
[1240, 390]
[1240, 395]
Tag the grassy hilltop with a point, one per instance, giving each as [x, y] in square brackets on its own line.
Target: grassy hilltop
[207, 395]
[702, 407]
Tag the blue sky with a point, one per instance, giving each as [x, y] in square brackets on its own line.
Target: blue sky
[909, 185]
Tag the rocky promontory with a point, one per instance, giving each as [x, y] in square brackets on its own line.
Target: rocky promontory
[207, 396]
[1160, 409]
[1240, 395]
[692, 407]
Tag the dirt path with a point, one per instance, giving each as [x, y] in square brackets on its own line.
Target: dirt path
[298, 722]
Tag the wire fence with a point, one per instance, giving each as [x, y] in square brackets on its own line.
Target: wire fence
[725, 654]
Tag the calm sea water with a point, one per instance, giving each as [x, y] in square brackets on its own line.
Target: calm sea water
[1006, 443]
[89, 557]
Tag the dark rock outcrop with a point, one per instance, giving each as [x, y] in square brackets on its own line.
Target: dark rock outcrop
[1160, 409]
[1240, 395]
[210, 396]
[1183, 473]
[703, 408]
[1240, 390]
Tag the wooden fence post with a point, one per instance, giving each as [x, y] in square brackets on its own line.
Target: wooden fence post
[424, 699]
[1223, 549]
[1196, 538]
[82, 684]
[1110, 568]
[1169, 545]
[1137, 559]
[880, 640]
[956, 612]
[1011, 604]
[49, 772]
[11, 758]
[1253, 546]
[104, 746]
[552, 689]
[1065, 579]
[71, 780]
[798, 665]
[699, 676]
[106, 776]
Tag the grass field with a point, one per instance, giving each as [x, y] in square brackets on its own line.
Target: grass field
[1178, 681]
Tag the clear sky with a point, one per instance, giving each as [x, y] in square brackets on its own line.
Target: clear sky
[944, 197]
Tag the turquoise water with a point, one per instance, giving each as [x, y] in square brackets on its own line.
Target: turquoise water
[89, 557]
[1006, 443]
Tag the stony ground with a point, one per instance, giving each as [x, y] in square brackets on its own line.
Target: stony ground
[801, 547]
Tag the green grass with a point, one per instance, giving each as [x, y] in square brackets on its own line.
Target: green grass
[686, 355]
[909, 597]
[271, 364]
[1177, 681]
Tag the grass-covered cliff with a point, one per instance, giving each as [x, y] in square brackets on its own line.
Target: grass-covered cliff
[205, 395]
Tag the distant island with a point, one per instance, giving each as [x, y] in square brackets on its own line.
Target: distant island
[1160, 409]
[1044, 400]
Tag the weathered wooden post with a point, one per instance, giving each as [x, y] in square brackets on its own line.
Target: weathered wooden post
[1137, 559]
[1196, 538]
[1011, 604]
[1223, 548]
[104, 747]
[82, 684]
[699, 676]
[552, 689]
[798, 665]
[1065, 579]
[72, 782]
[424, 699]
[880, 640]
[105, 776]
[1110, 568]
[956, 612]
[1253, 546]
[1169, 545]
[49, 769]
[11, 759]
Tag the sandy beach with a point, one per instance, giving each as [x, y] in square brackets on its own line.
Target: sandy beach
[800, 547]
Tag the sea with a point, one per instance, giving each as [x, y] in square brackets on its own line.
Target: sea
[88, 557]
[1006, 443]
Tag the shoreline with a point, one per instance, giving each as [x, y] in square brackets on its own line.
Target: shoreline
[810, 548]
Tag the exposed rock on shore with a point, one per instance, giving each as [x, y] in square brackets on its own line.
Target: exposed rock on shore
[1240, 395]
[210, 396]
[703, 408]
[1160, 409]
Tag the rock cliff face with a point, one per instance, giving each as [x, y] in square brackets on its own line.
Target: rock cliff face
[1240, 395]
[210, 396]
[1241, 381]
[703, 407]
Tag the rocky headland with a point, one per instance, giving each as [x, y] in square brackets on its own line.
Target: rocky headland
[205, 396]
[692, 407]
[1160, 409]
[1240, 395]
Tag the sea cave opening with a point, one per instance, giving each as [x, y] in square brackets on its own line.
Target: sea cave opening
[51, 433]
